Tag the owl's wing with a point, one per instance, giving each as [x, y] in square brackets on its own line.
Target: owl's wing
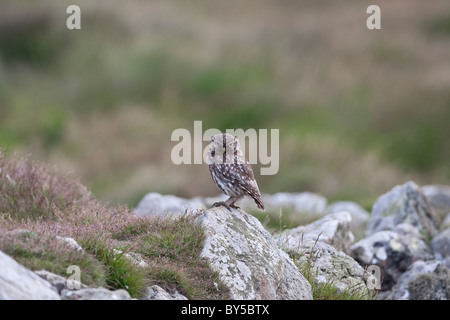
[249, 185]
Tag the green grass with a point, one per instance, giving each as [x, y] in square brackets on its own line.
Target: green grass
[327, 290]
[39, 251]
[121, 273]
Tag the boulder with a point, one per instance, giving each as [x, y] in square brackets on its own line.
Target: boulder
[392, 250]
[166, 205]
[332, 266]
[95, 294]
[71, 243]
[358, 213]
[439, 199]
[424, 280]
[157, 293]
[445, 224]
[403, 204]
[247, 258]
[58, 282]
[441, 245]
[20, 283]
[333, 229]
[305, 203]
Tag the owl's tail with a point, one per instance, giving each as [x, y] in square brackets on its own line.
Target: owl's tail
[259, 203]
[256, 196]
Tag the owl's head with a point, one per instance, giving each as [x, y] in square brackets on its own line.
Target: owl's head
[224, 148]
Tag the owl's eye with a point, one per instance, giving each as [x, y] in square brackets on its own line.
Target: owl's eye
[213, 153]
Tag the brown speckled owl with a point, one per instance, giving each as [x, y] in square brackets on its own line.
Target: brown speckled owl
[231, 172]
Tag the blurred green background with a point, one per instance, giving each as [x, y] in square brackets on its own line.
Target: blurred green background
[359, 111]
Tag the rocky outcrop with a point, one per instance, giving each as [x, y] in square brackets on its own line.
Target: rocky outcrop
[95, 294]
[247, 258]
[157, 293]
[423, 280]
[402, 242]
[333, 229]
[403, 204]
[358, 213]
[441, 246]
[360, 216]
[439, 199]
[20, 283]
[58, 282]
[329, 265]
[393, 251]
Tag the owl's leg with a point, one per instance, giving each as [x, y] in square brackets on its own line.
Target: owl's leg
[229, 203]
[221, 203]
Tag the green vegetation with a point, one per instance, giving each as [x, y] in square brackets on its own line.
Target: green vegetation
[327, 290]
[355, 118]
[37, 204]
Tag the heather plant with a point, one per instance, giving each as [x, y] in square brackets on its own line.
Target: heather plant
[37, 205]
[29, 190]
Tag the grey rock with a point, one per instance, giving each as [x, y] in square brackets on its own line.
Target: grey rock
[59, 282]
[424, 280]
[20, 283]
[247, 258]
[392, 250]
[333, 229]
[71, 243]
[157, 293]
[306, 203]
[133, 257]
[445, 224]
[95, 294]
[439, 199]
[332, 266]
[403, 204]
[358, 213]
[441, 245]
[167, 205]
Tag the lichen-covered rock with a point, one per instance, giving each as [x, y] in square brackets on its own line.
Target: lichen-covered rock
[166, 205]
[247, 258]
[403, 204]
[157, 293]
[332, 266]
[441, 245]
[58, 282]
[95, 294]
[424, 280]
[439, 199]
[392, 250]
[333, 229]
[20, 283]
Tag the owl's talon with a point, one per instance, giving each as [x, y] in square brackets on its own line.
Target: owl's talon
[234, 206]
[221, 203]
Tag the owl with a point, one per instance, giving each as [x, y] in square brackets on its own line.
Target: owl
[231, 172]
